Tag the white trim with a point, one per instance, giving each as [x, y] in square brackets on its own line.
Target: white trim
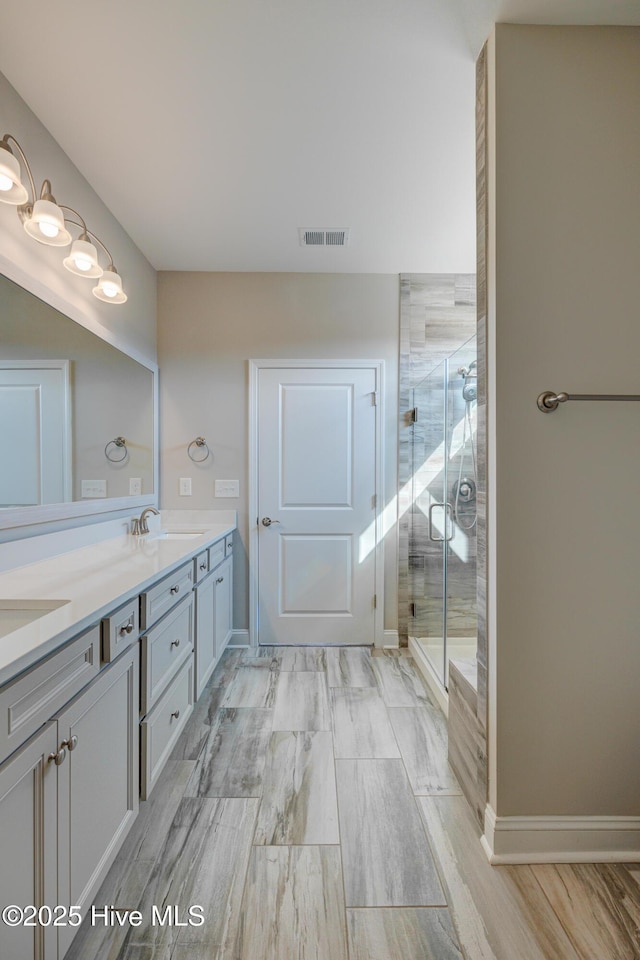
[239, 639]
[391, 639]
[424, 666]
[560, 839]
[254, 368]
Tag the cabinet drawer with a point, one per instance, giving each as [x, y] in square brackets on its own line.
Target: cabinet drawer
[164, 724]
[32, 699]
[216, 554]
[165, 594]
[228, 545]
[164, 649]
[201, 566]
[119, 630]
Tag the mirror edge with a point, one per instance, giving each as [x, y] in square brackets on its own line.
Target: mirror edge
[13, 518]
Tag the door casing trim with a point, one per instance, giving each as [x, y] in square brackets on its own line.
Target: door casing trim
[336, 364]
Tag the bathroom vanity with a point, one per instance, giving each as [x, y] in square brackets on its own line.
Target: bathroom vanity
[103, 651]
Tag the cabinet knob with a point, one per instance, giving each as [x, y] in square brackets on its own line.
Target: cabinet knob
[70, 744]
[203, 566]
[58, 757]
[175, 643]
[175, 589]
[220, 579]
[176, 714]
[128, 628]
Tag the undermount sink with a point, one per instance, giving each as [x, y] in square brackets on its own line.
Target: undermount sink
[19, 613]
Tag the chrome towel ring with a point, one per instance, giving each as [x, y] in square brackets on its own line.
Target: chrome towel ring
[198, 444]
[113, 445]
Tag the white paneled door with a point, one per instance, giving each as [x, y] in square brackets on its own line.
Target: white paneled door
[316, 503]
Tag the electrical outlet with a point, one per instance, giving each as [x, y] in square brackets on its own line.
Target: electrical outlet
[227, 488]
[94, 489]
[185, 486]
[135, 486]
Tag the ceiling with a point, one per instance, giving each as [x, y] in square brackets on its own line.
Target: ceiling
[215, 129]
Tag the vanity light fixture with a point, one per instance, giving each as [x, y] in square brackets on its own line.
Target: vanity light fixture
[45, 221]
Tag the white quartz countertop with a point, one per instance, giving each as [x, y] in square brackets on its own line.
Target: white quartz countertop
[94, 580]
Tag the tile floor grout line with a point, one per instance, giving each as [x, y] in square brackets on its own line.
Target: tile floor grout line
[335, 780]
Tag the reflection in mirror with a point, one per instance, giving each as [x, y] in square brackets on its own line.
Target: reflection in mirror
[65, 396]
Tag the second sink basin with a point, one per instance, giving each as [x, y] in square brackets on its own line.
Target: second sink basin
[18, 613]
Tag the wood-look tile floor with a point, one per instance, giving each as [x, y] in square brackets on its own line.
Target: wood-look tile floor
[309, 809]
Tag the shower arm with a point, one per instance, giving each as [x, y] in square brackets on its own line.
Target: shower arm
[549, 401]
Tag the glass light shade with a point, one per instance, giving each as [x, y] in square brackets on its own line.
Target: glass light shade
[109, 288]
[46, 224]
[83, 259]
[11, 188]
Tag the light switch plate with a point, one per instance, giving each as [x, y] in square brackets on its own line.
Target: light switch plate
[135, 486]
[227, 488]
[93, 489]
[185, 486]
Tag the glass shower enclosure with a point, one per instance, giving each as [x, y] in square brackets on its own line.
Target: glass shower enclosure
[442, 531]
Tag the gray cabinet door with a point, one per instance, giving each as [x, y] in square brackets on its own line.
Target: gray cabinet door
[205, 641]
[223, 604]
[97, 782]
[28, 844]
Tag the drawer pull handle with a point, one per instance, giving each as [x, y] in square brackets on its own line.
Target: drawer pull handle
[175, 589]
[176, 714]
[128, 628]
[70, 744]
[203, 566]
[220, 579]
[175, 643]
[58, 757]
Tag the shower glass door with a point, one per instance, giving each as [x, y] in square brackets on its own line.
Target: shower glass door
[442, 543]
[429, 519]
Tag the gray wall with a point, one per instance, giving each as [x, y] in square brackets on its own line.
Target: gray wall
[563, 315]
[211, 324]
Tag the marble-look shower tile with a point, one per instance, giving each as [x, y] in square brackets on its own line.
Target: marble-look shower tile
[293, 907]
[400, 682]
[204, 833]
[386, 858]
[421, 733]
[299, 801]
[597, 904]
[232, 761]
[301, 702]
[406, 933]
[146, 837]
[500, 912]
[251, 688]
[350, 668]
[361, 724]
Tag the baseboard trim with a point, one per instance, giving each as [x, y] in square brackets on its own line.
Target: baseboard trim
[239, 638]
[390, 639]
[560, 839]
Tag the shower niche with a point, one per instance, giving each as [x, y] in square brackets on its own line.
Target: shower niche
[443, 619]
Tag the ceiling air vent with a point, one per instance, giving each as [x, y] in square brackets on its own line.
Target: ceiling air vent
[323, 238]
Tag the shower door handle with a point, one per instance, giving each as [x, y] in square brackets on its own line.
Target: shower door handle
[448, 509]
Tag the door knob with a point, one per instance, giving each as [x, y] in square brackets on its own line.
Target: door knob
[267, 521]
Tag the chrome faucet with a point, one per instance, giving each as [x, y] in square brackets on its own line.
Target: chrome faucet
[139, 525]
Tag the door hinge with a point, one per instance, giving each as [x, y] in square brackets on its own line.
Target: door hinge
[374, 399]
[412, 609]
[413, 415]
[374, 501]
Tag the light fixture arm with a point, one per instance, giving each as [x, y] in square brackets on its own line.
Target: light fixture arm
[87, 232]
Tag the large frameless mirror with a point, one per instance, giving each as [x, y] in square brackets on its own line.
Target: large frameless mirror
[76, 416]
